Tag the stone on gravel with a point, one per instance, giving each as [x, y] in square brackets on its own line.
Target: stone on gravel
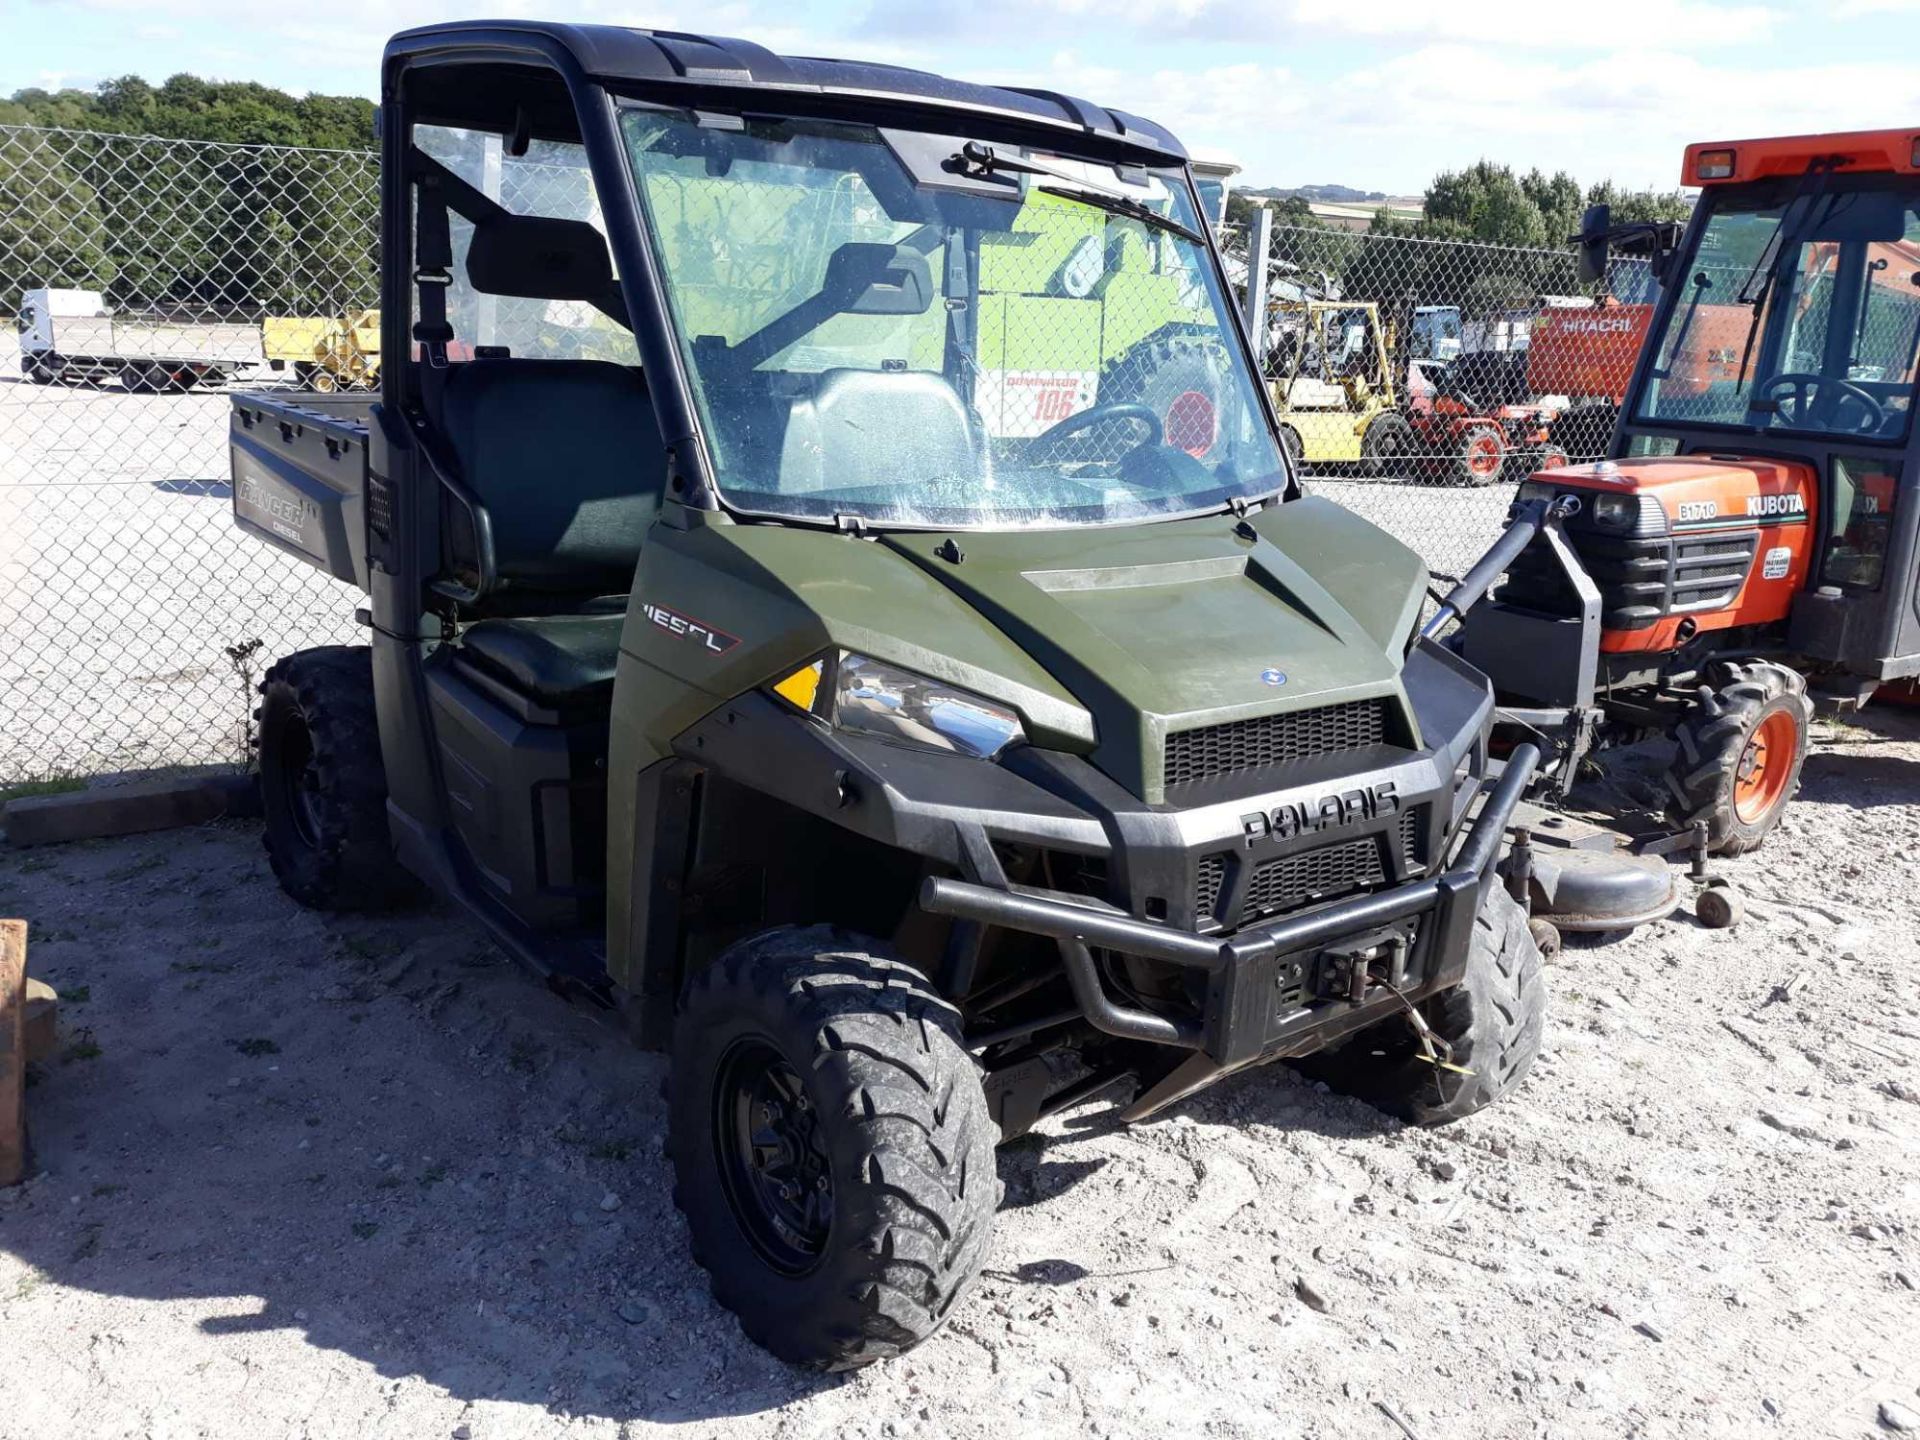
[1308, 1296]
[1898, 1418]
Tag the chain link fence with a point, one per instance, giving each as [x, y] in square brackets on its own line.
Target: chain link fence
[1416, 381]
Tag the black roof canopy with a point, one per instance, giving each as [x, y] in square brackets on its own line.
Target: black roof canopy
[683, 68]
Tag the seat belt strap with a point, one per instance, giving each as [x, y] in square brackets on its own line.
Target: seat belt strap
[432, 275]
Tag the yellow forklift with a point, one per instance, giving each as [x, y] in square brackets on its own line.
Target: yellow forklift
[1332, 385]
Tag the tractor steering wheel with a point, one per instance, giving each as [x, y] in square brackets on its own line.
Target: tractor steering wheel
[1045, 443]
[1804, 383]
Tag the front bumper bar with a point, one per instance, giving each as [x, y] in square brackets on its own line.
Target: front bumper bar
[1237, 1023]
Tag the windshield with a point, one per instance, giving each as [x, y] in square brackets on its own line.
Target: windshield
[880, 328]
[1800, 311]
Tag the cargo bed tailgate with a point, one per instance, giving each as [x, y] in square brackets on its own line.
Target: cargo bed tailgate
[300, 478]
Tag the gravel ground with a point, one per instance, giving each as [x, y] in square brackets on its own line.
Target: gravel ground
[124, 583]
[318, 1177]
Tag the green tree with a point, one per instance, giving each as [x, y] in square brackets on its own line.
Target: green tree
[158, 225]
[1640, 205]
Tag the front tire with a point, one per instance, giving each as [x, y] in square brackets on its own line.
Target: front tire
[322, 785]
[832, 1150]
[1493, 1019]
[1739, 754]
[1387, 446]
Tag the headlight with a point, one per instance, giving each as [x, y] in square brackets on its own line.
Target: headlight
[864, 696]
[1616, 512]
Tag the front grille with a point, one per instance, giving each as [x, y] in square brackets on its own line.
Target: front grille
[1640, 579]
[1273, 740]
[1322, 874]
[1206, 890]
[1327, 873]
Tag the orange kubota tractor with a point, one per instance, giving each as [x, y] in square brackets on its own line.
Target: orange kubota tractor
[1751, 543]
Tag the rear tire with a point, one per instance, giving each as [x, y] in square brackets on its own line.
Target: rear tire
[1493, 1019]
[1481, 458]
[322, 785]
[832, 1150]
[1739, 754]
[1188, 381]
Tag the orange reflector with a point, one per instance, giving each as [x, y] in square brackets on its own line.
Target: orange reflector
[1714, 165]
[802, 687]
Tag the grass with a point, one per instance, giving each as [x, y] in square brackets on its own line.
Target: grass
[365, 1229]
[198, 967]
[76, 994]
[55, 784]
[612, 1150]
[257, 1045]
[433, 1176]
[524, 1055]
[100, 1192]
[82, 1048]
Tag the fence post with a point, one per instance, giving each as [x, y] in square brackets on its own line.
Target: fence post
[1259, 247]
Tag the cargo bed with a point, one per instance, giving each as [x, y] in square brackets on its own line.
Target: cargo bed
[299, 466]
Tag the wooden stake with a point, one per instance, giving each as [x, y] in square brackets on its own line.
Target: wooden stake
[13, 1051]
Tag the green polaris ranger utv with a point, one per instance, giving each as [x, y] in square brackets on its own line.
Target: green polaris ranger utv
[835, 595]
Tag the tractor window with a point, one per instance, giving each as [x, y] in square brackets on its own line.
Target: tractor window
[1799, 312]
[873, 331]
[1864, 490]
[552, 181]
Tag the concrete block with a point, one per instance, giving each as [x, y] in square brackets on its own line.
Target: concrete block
[141, 805]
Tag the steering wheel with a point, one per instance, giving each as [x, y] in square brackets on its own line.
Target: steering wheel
[1803, 383]
[1049, 439]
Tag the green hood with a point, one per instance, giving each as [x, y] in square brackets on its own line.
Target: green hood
[1165, 627]
[1104, 639]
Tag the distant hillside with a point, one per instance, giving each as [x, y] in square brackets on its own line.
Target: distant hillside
[1323, 194]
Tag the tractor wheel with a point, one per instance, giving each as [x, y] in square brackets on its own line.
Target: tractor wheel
[1531, 460]
[832, 1150]
[322, 786]
[1481, 455]
[1585, 431]
[1740, 751]
[38, 373]
[1188, 382]
[1387, 446]
[1493, 1019]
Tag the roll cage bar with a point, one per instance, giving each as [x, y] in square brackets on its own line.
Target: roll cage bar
[598, 67]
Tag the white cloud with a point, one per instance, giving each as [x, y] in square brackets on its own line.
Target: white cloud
[1495, 25]
[1391, 125]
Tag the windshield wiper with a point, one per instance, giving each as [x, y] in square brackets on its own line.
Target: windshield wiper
[1796, 220]
[1127, 208]
[983, 159]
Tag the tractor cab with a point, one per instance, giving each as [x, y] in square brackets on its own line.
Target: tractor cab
[1755, 523]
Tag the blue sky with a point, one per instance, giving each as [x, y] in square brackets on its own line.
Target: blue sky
[1374, 93]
